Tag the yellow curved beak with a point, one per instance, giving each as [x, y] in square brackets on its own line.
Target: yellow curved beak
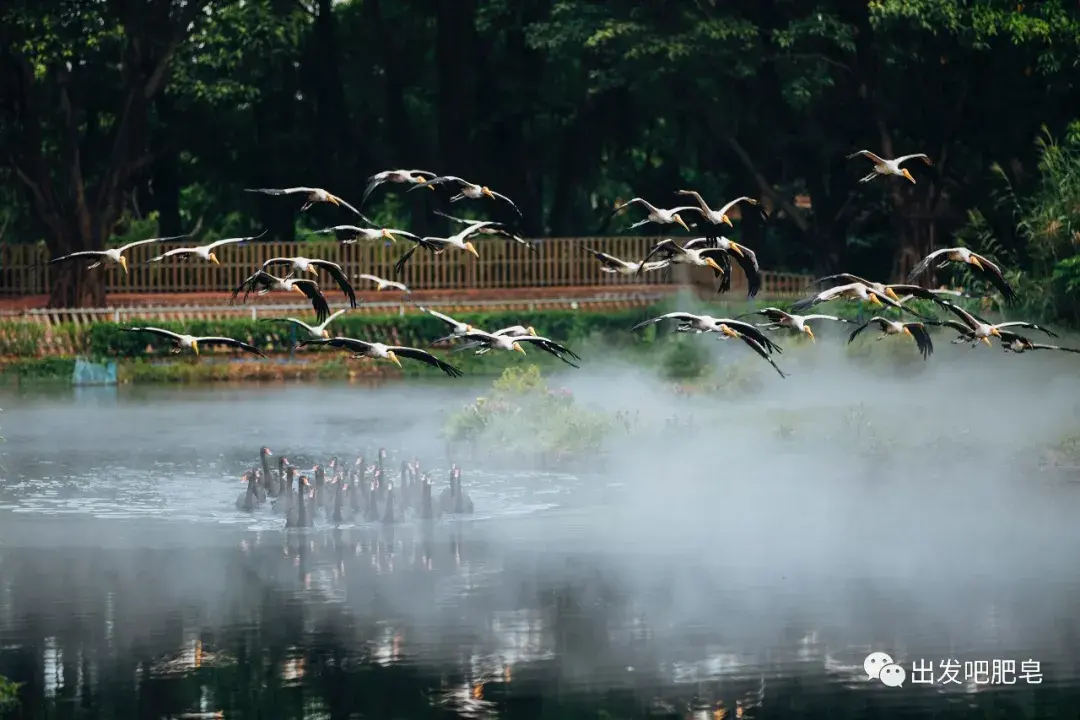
[890, 293]
[714, 265]
[311, 269]
[907, 331]
[485, 191]
[987, 341]
[517, 346]
[213, 259]
[531, 330]
[326, 334]
[195, 347]
[333, 199]
[907, 174]
[808, 331]
[679, 220]
[296, 288]
[875, 300]
[123, 264]
[737, 248]
[472, 248]
[388, 235]
[726, 220]
[393, 358]
[974, 261]
[995, 331]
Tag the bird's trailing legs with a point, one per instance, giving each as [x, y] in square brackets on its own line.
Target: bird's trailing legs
[869, 177]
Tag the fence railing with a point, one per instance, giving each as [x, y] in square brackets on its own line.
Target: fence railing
[556, 262]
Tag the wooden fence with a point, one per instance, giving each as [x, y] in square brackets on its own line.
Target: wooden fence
[557, 262]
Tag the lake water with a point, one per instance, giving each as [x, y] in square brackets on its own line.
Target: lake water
[744, 570]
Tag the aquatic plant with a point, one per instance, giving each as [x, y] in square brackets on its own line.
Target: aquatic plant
[523, 417]
[9, 693]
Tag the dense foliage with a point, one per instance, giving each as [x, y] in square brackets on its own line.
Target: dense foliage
[116, 112]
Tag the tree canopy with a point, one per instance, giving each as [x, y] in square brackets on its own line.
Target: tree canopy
[115, 111]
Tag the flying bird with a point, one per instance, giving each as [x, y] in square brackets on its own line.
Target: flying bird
[893, 290]
[311, 265]
[468, 190]
[348, 234]
[311, 196]
[889, 167]
[982, 267]
[490, 228]
[262, 282]
[383, 283]
[612, 264]
[718, 217]
[1020, 344]
[206, 252]
[851, 291]
[112, 256]
[510, 342]
[700, 257]
[314, 332]
[438, 244]
[978, 330]
[192, 342]
[707, 323]
[894, 327]
[395, 176]
[743, 255]
[656, 215]
[458, 328]
[781, 319]
[378, 351]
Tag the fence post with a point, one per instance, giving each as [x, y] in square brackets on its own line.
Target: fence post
[116, 316]
[254, 314]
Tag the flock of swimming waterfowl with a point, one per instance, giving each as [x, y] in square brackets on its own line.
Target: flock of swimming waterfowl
[342, 493]
[712, 250]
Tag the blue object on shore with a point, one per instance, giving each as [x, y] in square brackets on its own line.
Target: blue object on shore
[91, 373]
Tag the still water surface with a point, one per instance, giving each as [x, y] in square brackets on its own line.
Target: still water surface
[130, 587]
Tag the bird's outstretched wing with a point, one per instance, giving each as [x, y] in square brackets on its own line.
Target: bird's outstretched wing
[922, 338]
[922, 156]
[440, 180]
[339, 277]
[290, 321]
[154, 331]
[507, 200]
[318, 300]
[752, 331]
[683, 316]
[549, 347]
[761, 350]
[1028, 325]
[80, 254]
[843, 278]
[345, 343]
[924, 264]
[426, 357]
[400, 264]
[866, 153]
[992, 273]
[669, 246]
[231, 342]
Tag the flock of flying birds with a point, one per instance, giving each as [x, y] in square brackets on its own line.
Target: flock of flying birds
[712, 250]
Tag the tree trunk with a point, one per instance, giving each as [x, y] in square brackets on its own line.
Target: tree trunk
[73, 285]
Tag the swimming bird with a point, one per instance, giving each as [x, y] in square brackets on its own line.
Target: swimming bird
[717, 217]
[438, 244]
[852, 291]
[206, 252]
[982, 267]
[894, 327]
[490, 228]
[395, 176]
[113, 256]
[509, 342]
[612, 264]
[780, 318]
[311, 196]
[383, 283]
[1011, 342]
[889, 167]
[454, 500]
[979, 330]
[262, 282]
[349, 234]
[707, 323]
[743, 255]
[247, 500]
[700, 257]
[467, 190]
[192, 342]
[360, 349]
[314, 332]
[311, 265]
[660, 216]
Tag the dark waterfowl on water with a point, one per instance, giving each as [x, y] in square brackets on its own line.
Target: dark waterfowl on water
[284, 502]
[454, 500]
[392, 511]
[247, 500]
